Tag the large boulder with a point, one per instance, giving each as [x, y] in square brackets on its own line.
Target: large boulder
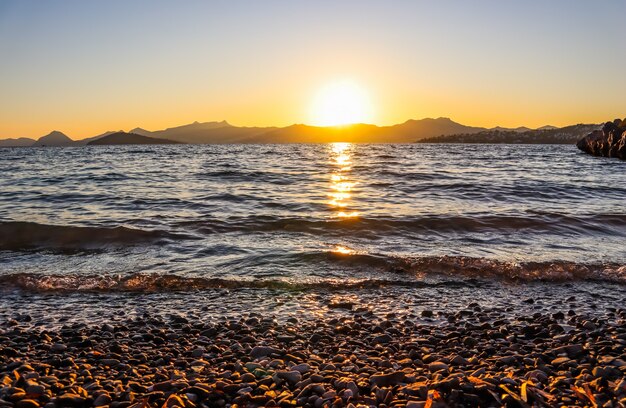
[610, 141]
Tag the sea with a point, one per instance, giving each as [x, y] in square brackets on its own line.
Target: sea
[226, 228]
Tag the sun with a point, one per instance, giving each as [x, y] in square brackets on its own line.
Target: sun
[341, 103]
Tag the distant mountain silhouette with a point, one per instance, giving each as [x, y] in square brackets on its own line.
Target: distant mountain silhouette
[54, 138]
[211, 133]
[223, 132]
[405, 132]
[140, 131]
[123, 138]
[517, 129]
[412, 129]
[544, 135]
[437, 130]
[90, 139]
[548, 127]
[19, 142]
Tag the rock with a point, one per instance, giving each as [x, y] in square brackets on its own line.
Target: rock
[292, 377]
[383, 338]
[437, 366]
[459, 360]
[589, 325]
[620, 386]
[507, 360]
[560, 360]
[164, 386]
[599, 372]
[173, 401]
[35, 389]
[26, 403]
[416, 404]
[102, 400]
[352, 387]
[312, 389]
[470, 342]
[252, 366]
[572, 350]
[108, 328]
[341, 305]
[70, 400]
[58, 347]
[263, 351]
[389, 379]
[302, 368]
[618, 362]
[610, 141]
[111, 362]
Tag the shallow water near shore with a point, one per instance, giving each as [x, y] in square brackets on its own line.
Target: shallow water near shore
[298, 217]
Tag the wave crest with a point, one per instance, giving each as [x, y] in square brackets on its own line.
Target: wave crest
[16, 236]
[553, 271]
[403, 272]
[606, 224]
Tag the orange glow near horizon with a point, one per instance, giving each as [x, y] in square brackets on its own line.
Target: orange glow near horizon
[271, 66]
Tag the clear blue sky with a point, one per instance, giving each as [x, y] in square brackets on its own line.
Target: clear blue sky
[84, 67]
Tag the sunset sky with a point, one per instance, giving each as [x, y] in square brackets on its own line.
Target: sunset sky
[84, 67]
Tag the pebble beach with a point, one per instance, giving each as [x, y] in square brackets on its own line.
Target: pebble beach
[258, 348]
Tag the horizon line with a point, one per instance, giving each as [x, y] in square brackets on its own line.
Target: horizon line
[347, 125]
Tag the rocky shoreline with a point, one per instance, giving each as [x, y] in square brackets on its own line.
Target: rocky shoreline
[610, 141]
[346, 356]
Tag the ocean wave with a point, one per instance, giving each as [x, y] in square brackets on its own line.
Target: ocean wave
[552, 271]
[609, 224]
[419, 272]
[152, 282]
[16, 236]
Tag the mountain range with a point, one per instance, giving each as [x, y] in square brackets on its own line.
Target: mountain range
[543, 135]
[223, 132]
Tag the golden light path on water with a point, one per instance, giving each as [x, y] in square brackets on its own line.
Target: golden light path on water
[341, 187]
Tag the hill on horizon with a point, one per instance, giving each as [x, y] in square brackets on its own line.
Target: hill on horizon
[222, 132]
[17, 142]
[543, 135]
[123, 138]
[52, 139]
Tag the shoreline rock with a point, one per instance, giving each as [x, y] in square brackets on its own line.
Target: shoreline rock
[610, 141]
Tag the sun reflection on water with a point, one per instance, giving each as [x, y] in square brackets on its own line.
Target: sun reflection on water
[341, 185]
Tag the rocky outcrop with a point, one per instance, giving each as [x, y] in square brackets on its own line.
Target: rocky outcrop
[610, 141]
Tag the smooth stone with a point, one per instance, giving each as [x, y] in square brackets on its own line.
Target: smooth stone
[302, 368]
[384, 380]
[560, 360]
[58, 347]
[26, 403]
[291, 377]
[383, 339]
[437, 366]
[459, 360]
[102, 400]
[263, 351]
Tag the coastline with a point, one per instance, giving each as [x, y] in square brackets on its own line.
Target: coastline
[520, 346]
